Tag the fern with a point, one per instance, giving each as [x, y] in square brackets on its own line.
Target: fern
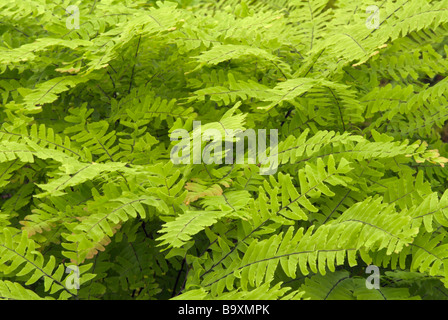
[88, 183]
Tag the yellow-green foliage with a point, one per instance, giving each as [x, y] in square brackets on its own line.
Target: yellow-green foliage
[86, 177]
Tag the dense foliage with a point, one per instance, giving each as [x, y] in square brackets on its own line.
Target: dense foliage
[87, 182]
